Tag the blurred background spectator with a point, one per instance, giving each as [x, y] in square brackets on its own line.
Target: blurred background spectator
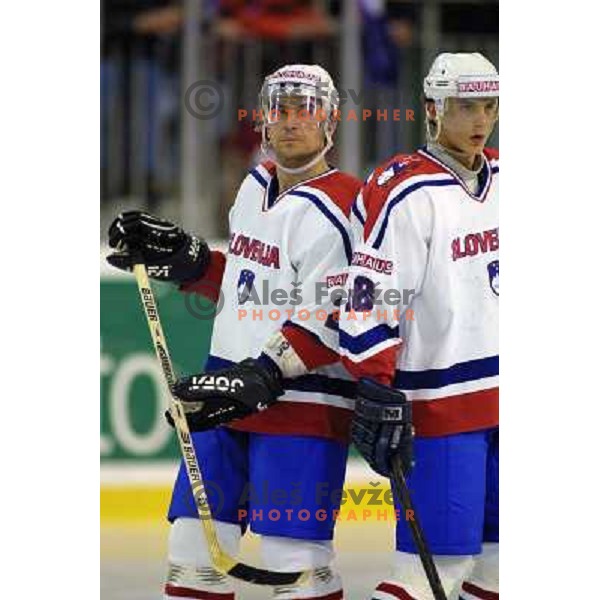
[157, 155]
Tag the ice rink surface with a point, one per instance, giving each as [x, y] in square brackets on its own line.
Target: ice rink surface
[133, 559]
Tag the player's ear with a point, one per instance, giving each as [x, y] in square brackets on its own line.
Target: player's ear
[430, 109]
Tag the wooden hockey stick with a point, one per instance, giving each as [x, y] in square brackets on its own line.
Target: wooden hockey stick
[399, 482]
[221, 560]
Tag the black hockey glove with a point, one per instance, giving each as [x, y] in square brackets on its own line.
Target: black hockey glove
[228, 394]
[169, 253]
[382, 426]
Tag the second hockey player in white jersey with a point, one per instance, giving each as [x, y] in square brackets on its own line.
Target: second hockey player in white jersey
[290, 404]
[425, 278]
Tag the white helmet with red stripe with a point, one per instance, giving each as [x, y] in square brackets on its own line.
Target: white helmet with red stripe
[460, 75]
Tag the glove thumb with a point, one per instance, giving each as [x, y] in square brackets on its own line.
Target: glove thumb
[121, 260]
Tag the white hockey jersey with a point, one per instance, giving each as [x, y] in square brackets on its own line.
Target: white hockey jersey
[280, 248]
[424, 284]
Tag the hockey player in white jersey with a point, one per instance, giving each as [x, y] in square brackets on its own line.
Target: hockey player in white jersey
[266, 446]
[425, 280]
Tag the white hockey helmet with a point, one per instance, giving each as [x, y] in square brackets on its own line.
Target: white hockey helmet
[460, 75]
[313, 87]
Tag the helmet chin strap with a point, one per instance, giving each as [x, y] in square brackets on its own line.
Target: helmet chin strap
[309, 165]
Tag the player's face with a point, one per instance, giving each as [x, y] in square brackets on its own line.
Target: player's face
[296, 134]
[468, 123]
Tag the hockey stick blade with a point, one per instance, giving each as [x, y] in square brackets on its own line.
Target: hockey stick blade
[222, 562]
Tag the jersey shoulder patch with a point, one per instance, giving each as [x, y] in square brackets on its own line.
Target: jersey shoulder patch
[398, 169]
[401, 167]
[341, 188]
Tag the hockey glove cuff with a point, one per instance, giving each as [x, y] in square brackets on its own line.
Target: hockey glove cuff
[382, 426]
